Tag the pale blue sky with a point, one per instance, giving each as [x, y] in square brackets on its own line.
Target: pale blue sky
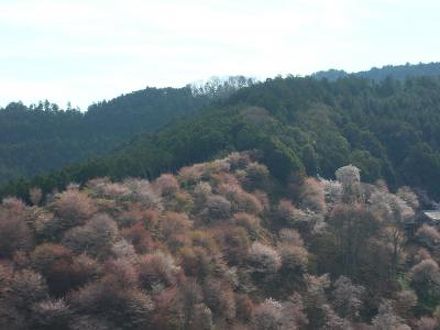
[88, 50]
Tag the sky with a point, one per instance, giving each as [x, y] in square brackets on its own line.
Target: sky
[84, 51]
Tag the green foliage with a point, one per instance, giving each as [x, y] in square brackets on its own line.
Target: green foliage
[399, 72]
[389, 129]
[43, 137]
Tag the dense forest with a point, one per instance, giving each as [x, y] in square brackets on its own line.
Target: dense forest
[230, 204]
[399, 72]
[390, 130]
[220, 245]
[43, 137]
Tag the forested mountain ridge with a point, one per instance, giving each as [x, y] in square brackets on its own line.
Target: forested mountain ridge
[219, 245]
[44, 137]
[248, 214]
[399, 72]
[389, 129]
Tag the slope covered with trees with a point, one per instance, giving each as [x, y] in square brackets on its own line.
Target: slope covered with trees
[219, 245]
[390, 130]
[399, 72]
[43, 137]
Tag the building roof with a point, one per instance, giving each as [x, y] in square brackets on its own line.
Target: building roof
[433, 214]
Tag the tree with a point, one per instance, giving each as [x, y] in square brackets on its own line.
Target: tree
[157, 271]
[347, 298]
[95, 237]
[386, 318]
[312, 196]
[15, 234]
[268, 315]
[51, 315]
[263, 259]
[425, 278]
[349, 177]
[73, 207]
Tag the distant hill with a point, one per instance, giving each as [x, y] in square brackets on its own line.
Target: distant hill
[43, 137]
[399, 72]
[389, 129]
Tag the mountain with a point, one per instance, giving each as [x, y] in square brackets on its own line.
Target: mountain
[219, 245]
[389, 129]
[294, 203]
[43, 137]
[399, 72]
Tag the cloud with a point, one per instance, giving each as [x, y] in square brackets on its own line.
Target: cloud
[71, 50]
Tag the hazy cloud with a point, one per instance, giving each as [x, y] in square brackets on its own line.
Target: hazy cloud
[84, 51]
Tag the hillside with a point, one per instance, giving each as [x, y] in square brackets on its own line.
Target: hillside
[43, 137]
[398, 72]
[390, 130]
[220, 245]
